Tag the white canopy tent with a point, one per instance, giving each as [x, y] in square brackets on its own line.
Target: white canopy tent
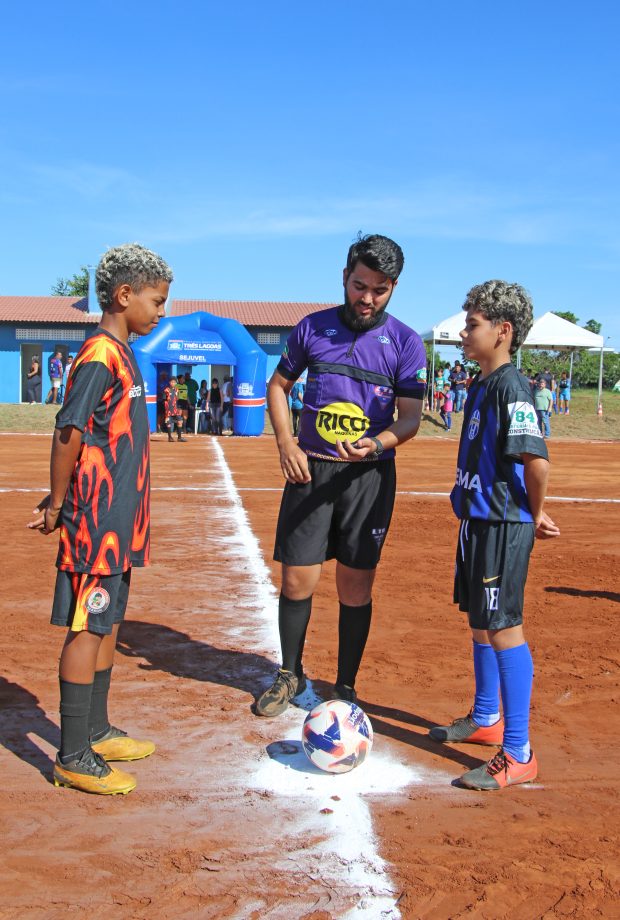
[549, 331]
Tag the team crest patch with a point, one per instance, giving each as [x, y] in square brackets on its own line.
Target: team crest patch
[474, 425]
[421, 375]
[98, 600]
[341, 420]
[384, 393]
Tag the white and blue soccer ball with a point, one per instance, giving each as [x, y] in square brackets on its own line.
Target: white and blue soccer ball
[337, 736]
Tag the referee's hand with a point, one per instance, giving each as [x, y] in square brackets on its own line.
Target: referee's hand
[294, 463]
[358, 451]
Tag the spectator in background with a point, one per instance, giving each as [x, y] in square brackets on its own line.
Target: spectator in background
[446, 374]
[192, 395]
[215, 406]
[297, 404]
[33, 387]
[183, 401]
[564, 393]
[55, 372]
[543, 402]
[172, 414]
[437, 390]
[458, 378]
[446, 406]
[227, 406]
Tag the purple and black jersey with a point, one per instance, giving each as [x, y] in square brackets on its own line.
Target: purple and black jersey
[353, 377]
[499, 425]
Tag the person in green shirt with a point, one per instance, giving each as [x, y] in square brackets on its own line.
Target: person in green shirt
[543, 403]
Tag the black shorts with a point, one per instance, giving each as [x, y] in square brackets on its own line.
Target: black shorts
[491, 569]
[90, 602]
[344, 513]
[183, 404]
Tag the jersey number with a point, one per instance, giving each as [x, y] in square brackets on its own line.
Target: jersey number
[521, 416]
[492, 598]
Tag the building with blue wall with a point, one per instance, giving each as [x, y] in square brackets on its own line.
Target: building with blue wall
[41, 325]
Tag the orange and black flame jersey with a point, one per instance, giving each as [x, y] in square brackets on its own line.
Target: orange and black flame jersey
[105, 516]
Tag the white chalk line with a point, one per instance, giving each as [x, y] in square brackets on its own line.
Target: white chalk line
[549, 498]
[355, 864]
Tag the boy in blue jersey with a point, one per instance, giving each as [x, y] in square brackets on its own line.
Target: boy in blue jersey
[340, 474]
[501, 481]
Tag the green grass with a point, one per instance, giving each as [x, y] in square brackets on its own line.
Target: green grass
[583, 421]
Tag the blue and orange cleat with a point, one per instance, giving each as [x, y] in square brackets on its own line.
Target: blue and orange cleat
[501, 771]
[466, 730]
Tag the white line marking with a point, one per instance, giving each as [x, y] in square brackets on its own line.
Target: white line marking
[549, 498]
[351, 836]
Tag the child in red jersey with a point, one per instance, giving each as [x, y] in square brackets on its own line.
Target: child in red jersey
[99, 502]
[172, 413]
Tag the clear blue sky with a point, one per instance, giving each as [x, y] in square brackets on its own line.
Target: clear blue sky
[248, 143]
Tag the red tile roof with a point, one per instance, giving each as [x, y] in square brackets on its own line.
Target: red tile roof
[46, 310]
[250, 312]
[73, 310]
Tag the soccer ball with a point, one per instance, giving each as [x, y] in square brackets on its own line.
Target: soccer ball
[337, 736]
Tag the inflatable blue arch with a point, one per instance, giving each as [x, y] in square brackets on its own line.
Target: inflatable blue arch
[202, 339]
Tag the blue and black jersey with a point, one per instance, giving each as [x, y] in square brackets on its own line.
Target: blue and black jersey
[499, 426]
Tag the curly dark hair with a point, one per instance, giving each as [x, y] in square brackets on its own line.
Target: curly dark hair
[500, 302]
[379, 253]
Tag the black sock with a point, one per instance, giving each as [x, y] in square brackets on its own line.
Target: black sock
[98, 720]
[353, 629]
[293, 619]
[74, 718]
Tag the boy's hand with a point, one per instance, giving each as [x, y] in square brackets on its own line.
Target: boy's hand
[47, 518]
[545, 528]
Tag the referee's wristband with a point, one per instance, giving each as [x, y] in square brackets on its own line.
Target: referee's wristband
[379, 448]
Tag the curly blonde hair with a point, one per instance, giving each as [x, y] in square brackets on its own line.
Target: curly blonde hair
[499, 302]
[131, 264]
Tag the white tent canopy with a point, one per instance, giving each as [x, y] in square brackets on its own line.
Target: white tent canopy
[556, 334]
[447, 331]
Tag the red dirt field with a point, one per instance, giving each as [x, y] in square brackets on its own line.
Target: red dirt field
[222, 825]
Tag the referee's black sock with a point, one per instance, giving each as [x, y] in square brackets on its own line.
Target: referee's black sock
[98, 721]
[74, 719]
[293, 619]
[353, 629]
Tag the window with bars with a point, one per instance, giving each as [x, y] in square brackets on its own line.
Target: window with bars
[268, 338]
[50, 335]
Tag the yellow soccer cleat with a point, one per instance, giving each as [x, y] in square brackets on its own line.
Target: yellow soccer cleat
[90, 773]
[116, 745]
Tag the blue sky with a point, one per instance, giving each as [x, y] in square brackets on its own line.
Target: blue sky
[248, 143]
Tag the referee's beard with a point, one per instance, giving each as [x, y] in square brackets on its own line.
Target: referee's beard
[361, 323]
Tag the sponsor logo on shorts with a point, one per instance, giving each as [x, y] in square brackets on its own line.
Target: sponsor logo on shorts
[463, 480]
[383, 339]
[474, 425]
[487, 581]
[340, 420]
[97, 601]
[378, 535]
[523, 420]
[330, 332]
[135, 391]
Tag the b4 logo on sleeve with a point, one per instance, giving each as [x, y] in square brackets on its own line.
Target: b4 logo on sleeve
[523, 420]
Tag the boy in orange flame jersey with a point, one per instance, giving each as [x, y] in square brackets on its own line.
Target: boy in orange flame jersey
[99, 502]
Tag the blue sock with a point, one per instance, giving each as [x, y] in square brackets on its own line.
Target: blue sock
[516, 674]
[486, 700]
